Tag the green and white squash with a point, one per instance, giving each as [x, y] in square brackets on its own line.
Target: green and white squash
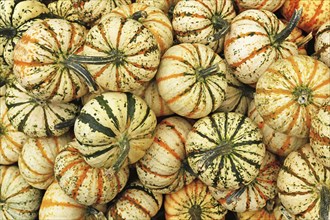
[42, 62]
[276, 142]
[19, 200]
[194, 202]
[152, 18]
[164, 168]
[121, 54]
[5, 74]
[64, 9]
[256, 39]
[114, 128]
[11, 140]
[135, 202]
[320, 134]
[203, 21]
[322, 43]
[191, 79]
[16, 17]
[255, 195]
[36, 117]
[304, 185]
[290, 91]
[36, 161]
[57, 205]
[269, 5]
[85, 184]
[225, 150]
[166, 6]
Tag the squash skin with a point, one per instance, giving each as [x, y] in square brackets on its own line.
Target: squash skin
[19, 199]
[217, 141]
[322, 44]
[290, 91]
[270, 5]
[166, 6]
[42, 69]
[181, 82]
[111, 122]
[301, 183]
[250, 46]
[197, 21]
[17, 17]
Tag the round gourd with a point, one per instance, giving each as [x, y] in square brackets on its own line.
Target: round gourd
[154, 19]
[57, 205]
[269, 5]
[191, 79]
[322, 43]
[85, 184]
[320, 134]
[11, 140]
[19, 200]
[5, 74]
[290, 91]
[121, 54]
[276, 142]
[16, 17]
[194, 201]
[255, 195]
[36, 161]
[203, 22]
[64, 9]
[315, 13]
[36, 117]
[42, 62]
[304, 185]
[166, 6]
[256, 39]
[135, 202]
[114, 128]
[225, 150]
[164, 168]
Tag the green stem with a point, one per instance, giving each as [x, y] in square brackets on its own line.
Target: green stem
[222, 26]
[324, 203]
[139, 14]
[95, 214]
[209, 70]
[270, 205]
[280, 37]
[233, 197]
[123, 153]
[195, 212]
[65, 124]
[2, 83]
[92, 59]
[221, 149]
[8, 32]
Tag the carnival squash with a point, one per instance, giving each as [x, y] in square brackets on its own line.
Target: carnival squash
[322, 43]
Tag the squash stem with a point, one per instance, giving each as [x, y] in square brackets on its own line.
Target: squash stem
[324, 203]
[81, 71]
[93, 213]
[305, 40]
[8, 32]
[280, 37]
[222, 26]
[123, 153]
[65, 124]
[2, 83]
[209, 70]
[93, 59]
[138, 15]
[270, 205]
[195, 212]
[234, 197]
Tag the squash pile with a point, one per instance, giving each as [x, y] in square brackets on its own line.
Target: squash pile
[176, 109]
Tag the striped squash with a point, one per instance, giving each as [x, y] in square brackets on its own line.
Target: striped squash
[238, 95]
[154, 19]
[304, 185]
[85, 184]
[290, 91]
[166, 6]
[203, 21]
[64, 9]
[281, 213]
[255, 195]
[320, 134]
[42, 64]
[276, 142]
[5, 74]
[36, 161]
[114, 128]
[57, 205]
[315, 13]
[121, 54]
[90, 11]
[322, 43]
[163, 168]
[191, 79]
[269, 5]
[11, 140]
[194, 201]
[135, 202]
[36, 117]
[225, 150]
[16, 17]
[255, 40]
[19, 200]
[155, 101]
